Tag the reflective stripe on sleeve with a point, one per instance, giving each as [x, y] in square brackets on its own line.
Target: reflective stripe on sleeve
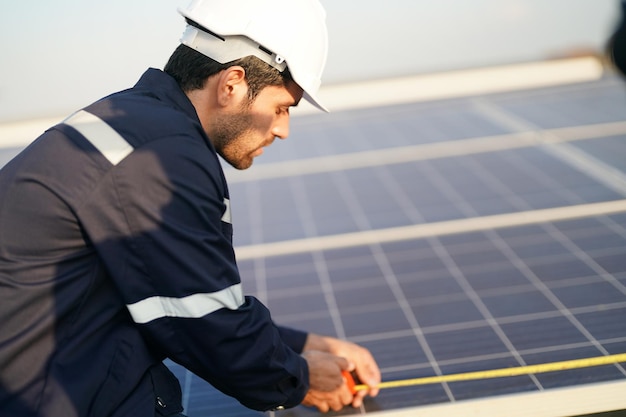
[102, 136]
[227, 218]
[192, 306]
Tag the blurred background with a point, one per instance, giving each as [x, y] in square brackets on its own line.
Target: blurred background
[59, 56]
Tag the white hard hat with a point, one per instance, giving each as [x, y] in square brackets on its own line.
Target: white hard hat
[283, 33]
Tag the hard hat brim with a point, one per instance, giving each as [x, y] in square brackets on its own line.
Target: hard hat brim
[315, 102]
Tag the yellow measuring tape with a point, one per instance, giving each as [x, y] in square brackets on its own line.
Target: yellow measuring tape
[505, 372]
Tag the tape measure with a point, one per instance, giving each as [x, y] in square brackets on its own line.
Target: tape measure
[494, 373]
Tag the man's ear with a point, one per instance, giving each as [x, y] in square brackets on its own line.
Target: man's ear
[232, 86]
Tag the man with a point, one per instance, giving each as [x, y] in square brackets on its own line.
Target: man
[116, 242]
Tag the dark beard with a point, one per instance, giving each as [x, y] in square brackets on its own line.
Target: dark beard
[228, 130]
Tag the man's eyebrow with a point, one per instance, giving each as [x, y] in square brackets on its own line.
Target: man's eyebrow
[289, 103]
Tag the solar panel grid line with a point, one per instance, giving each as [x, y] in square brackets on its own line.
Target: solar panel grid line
[531, 172]
[500, 355]
[381, 157]
[556, 190]
[573, 249]
[405, 306]
[531, 370]
[584, 256]
[397, 193]
[303, 205]
[496, 114]
[552, 232]
[255, 216]
[608, 175]
[526, 137]
[260, 277]
[562, 107]
[545, 315]
[520, 288]
[483, 295]
[583, 280]
[420, 366]
[586, 164]
[585, 132]
[566, 346]
[545, 290]
[448, 190]
[428, 229]
[502, 189]
[350, 200]
[389, 277]
[304, 211]
[456, 273]
[329, 295]
[490, 356]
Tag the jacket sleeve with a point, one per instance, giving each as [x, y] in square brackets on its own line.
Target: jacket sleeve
[160, 222]
[294, 338]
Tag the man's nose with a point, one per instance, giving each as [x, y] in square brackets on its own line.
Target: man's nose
[281, 128]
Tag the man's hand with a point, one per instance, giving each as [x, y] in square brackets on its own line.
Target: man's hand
[359, 360]
[328, 389]
[325, 401]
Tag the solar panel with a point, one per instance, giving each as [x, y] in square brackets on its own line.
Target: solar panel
[418, 231]
[447, 237]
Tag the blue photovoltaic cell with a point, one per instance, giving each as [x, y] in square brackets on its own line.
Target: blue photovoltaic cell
[609, 150]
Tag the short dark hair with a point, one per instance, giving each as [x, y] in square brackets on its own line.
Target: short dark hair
[191, 69]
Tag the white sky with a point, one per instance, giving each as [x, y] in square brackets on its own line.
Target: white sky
[60, 55]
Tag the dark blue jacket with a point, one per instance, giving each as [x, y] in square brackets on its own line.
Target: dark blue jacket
[115, 253]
